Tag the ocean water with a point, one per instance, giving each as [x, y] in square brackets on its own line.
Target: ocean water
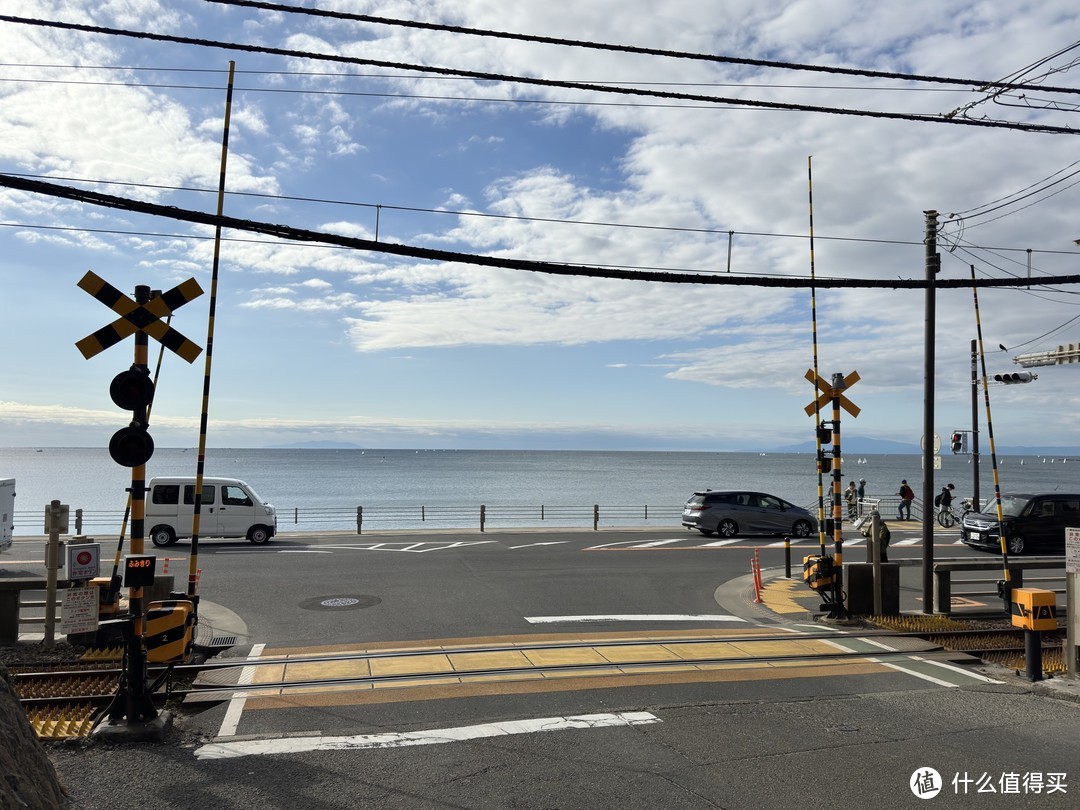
[320, 489]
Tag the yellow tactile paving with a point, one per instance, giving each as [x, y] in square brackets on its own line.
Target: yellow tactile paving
[633, 653]
[794, 647]
[783, 595]
[541, 669]
[489, 660]
[327, 670]
[426, 682]
[714, 649]
[410, 665]
[565, 656]
[450, 688]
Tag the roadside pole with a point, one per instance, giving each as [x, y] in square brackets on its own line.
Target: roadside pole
[56, 523]
[1072, 591]
[933, 266]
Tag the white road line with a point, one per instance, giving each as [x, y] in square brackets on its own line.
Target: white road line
[236, 705]
[916, 673]
[965, 672]
[549, 543]
[907, 670]
[654, 543]
[420, 547]
[719, 543]
[914, 542]
[628, 617]
[292, 745]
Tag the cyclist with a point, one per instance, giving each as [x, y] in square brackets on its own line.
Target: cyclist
[944, 500]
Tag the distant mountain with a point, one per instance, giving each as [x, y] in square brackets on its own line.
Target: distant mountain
[856, 444]
[1020, 450]
[861, 445]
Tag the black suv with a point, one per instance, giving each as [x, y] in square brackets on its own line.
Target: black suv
[1032, 523]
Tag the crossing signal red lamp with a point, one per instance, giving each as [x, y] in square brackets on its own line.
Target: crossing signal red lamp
[957, 442]
[133, 390]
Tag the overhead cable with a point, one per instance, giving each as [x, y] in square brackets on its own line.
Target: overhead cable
[577, 43]
[429, 254]
[484, 76]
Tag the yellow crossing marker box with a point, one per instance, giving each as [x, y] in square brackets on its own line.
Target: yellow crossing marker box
[1034, 608]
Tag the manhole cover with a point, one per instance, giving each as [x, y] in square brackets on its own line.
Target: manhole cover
[340, 602]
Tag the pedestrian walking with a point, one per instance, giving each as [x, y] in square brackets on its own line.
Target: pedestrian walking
[861, 493]
[852, 497]
[944, 499]
[907, 495]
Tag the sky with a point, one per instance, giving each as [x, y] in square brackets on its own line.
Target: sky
[320, 343]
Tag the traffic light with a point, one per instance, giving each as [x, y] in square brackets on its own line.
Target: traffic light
[132, 390]
[1011, 377]
[957, 442]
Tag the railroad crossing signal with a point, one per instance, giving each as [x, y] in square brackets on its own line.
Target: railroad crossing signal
[133, 390]
[135, 317]
[828, 391]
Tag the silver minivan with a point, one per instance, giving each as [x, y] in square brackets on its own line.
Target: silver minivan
[732, 512]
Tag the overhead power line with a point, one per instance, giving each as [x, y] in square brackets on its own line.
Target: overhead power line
[429, 254]
[635, 49]
[485, 76]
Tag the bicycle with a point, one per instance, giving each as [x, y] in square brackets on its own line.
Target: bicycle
[947, 518]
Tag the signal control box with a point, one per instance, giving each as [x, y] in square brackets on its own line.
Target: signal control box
[819, 573]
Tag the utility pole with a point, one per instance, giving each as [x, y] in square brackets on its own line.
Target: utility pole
[975, 425]
[933, 266]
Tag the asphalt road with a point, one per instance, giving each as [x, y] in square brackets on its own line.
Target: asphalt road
[792, 738]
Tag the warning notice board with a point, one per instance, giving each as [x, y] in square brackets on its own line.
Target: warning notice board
[79, 611]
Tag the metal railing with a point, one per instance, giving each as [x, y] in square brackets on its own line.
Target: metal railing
[358, 518]
[977, 587]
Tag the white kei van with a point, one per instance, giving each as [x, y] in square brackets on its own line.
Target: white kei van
[230, 508]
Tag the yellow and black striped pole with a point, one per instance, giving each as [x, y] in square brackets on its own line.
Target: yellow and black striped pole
[993, 451]
[814, 343]
[193, 565]
[139, 704]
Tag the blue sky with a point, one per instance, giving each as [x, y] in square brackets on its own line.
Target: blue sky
[317, 343]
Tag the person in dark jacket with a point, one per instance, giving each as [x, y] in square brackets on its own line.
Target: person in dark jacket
[907, 495]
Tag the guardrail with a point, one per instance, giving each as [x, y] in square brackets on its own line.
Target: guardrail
[944, 569]
[357, 518]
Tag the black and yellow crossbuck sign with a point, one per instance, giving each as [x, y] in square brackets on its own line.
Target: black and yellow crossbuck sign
[135, 317]
[827, 393]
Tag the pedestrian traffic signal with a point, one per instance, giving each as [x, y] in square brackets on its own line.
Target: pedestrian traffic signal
[957, 442]
[1011, 377]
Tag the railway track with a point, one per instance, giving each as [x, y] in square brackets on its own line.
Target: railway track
[66, 699]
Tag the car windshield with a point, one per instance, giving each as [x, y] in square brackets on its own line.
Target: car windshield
[1012, 506]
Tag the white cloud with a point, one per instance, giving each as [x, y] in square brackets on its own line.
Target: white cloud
[686, 174]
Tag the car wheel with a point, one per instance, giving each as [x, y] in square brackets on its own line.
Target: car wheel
[802, 528]
[259, 535]
[1015, 543]
[707, 532]
[162, 536]
[728, 528]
